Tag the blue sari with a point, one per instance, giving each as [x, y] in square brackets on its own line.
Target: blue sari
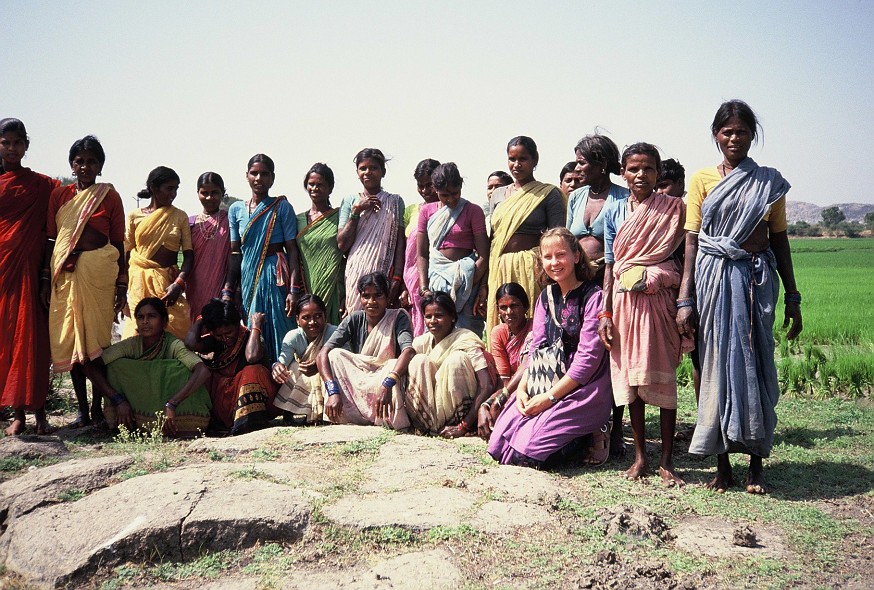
[265, 279]
[736, 295]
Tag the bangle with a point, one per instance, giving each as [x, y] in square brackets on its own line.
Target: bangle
[227, 292]
[120, 286]
[116, 399]
[394, 376]
[332, 388]
[295, 290]
[255, 329]
[605, 314]
[681, 303]
[486, 404]
[793, 297]
[389, 382]
[45, 279]
[170, 405]
[397, 278]
[354, 216]
[423, 290]
[179, 282]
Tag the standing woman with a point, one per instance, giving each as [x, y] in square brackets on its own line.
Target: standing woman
[372, 231]
[264, 256]
[453, 247]
[597, 159]
[425, 186]
[84, 257]
[211, 240]
[736, 247]
[524, 210]
[24, 354]
[568, 179]
[155, 235]
[321, 260]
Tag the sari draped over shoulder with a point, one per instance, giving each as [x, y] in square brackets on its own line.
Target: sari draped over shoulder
[411, 269]
[374, 247]
[646, 345]
[515, 267]
[81, 308]
[442, 383]
[265, 278]
[322, 259]
[211, 241]
[24, 335]
[147, 278]
[360, 376]
[242, 393]
[304, 395]
[736, 295]
[450, 276]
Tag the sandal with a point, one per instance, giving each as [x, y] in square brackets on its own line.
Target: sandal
[599, 452]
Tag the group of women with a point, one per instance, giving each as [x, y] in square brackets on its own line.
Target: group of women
[375, 312]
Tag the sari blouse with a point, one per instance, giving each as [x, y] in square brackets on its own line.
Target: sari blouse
[284, 229]
[548, 214]
[704, 181]
[295, 343]
[171, 348]
[471, 221]
[108, 218]
[178, 238]
[576, 209]
[507, 349]
[353, 331]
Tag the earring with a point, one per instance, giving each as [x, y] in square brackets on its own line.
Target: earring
[74, 173]
[100, 173]
[603, 171]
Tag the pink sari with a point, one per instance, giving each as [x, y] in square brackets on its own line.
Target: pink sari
[211, 240]
[646, 343]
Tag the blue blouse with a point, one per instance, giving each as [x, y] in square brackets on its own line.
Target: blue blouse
[284, 229]
[576, 208]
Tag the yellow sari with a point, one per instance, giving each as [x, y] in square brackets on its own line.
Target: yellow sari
[167, 227]
[80, 312]
[517, 267]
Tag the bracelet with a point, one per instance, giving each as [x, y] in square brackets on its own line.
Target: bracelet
[179, 282]
[794, 297]
[295, 290]
[681, 303]
[423, 290]
[170, 405]
[227, 292]
[605, 314]
[354, 216]
[332, 388]
[120, 286]
[389, 382]
[397, 278]
[394, 376]
[45, 279]
[255, 329]
[116, 399]
[486, 404]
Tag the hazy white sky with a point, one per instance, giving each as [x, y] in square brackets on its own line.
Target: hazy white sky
[203, 86]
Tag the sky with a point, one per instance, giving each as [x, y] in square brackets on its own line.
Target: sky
[203, 85]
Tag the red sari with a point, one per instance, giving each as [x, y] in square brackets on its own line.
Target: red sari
[211, 240]
[24, 332]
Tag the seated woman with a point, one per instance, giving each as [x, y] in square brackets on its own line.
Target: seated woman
[154, 372]
[450, 370]
[555, 413]
[296, 371]
[509, 340]
[453, 250]
[240, 388]
[365, 384]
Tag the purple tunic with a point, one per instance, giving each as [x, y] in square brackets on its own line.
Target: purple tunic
[581, 412]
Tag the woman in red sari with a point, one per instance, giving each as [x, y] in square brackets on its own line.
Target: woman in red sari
[24, 350]
[211, 241]
[241, 387]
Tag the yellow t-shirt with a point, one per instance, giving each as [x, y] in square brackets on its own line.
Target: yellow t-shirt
[704, 181]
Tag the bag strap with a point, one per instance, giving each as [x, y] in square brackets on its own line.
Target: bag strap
[551, 304]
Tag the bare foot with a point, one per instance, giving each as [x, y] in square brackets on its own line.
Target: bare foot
[756, 482]
[43, 427]
[617, 443]
[636, 471]
[670, 477]
[16, 428]
[720, 483]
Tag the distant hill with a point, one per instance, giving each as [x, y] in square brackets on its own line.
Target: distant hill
[800, 211]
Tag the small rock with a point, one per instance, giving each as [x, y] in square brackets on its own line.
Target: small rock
[745, 536]
[633, 521]
[31, 446]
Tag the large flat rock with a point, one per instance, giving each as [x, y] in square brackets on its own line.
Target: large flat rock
[48, 484]
[519, 484]
[162, 516]
[235, 445]
[336, 434]
[415, 462]
[419, 509]
[31, 446]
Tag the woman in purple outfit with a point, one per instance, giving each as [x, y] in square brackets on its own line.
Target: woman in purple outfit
[548, 420]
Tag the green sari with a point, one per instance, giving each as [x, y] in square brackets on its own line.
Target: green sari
[321, 260]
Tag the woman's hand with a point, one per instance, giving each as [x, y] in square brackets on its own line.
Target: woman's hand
[485, 423]
[125, 415]
[120, 302]
[394, 293]
[170, 420]
[456, 431]
[334, 408]
[481, 302]
[404, 299]
[45, 293]
[384, 407]
[792, 315]
[686, 322]
[307, 368]
[291, 303]
[366, 203]
[258, 318]
[280, 373]
[605, 332]
[521, 400]
[171, 294]
[536, 405]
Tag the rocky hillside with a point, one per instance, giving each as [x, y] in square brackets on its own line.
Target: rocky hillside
[800, 211]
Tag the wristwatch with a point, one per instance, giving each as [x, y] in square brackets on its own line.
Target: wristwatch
[553, 399]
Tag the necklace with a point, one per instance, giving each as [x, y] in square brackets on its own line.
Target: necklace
[208, 230]
[592, 190]
[730, 168]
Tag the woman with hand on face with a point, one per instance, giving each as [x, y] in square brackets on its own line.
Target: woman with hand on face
[321, 260]
[450, 370]
[85, 259]
[561, 407]
[411, 295]
[240, 385]
[153, 372]
[638, 319]
[366, 384]
[453, 247]
[737, 251]
[24, 351]
[264, 256]
[372, 231]
[296, 371]
[211, 241]
[155, 235]
[524, 210]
